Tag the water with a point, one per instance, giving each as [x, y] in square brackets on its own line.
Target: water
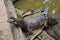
[42, 4]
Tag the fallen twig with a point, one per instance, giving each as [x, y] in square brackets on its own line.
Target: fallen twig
[40, 31]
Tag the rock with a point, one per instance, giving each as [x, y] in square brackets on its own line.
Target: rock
[6, 11]
[5, 30]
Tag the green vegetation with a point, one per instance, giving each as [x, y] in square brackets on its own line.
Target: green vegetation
[35, 4]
